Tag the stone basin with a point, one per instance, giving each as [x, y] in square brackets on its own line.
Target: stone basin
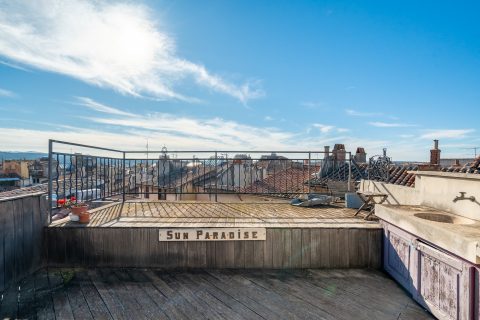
[443, 218]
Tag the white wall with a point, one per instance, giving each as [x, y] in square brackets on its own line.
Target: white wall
[398, 195]
[434, 189]
[438, 189]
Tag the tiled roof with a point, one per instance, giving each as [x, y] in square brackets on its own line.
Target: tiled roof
[398, 174]
[24, 191]
[291, 180]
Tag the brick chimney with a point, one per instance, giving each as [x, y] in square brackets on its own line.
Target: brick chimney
[339, 152]
[435, 154]
[360, 155]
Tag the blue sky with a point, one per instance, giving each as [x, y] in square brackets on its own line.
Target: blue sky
[241, 75]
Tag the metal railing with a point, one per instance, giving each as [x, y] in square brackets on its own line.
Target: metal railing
[94, 173]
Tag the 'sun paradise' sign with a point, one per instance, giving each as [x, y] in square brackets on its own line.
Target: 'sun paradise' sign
[212, 234]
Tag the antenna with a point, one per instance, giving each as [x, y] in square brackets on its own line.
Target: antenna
[474, 150]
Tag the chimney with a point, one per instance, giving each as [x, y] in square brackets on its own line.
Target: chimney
[360, 155]
[326, 152]
[435, 154]
[339, 152]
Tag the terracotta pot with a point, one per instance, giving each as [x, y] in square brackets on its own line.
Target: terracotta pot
[79, 210]
[85, 217]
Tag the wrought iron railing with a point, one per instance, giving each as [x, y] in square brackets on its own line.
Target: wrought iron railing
[94, 173]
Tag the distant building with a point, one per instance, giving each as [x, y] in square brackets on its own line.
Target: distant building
[18, 167]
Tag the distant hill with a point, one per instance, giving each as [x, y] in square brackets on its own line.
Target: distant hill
[25, 155]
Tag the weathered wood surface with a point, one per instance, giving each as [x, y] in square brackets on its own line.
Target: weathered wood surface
[208, 214]
[208, 294]
[283, 249]
[22, 221]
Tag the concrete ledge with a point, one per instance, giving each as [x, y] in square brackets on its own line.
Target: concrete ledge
[461, 240]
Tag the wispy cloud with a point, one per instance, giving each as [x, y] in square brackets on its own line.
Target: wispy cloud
[355, 113]
[447, 133]
[97, 106]
[14, 66]
[323, 128]
[313, 104]
[391, 124]
[7, 93]
[329, 128]
[107, 44]
[268, 118]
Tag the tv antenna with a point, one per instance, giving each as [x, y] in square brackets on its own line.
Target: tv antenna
[474, 150]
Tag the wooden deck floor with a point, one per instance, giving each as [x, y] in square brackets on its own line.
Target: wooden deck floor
[208, 294]
[208, 214]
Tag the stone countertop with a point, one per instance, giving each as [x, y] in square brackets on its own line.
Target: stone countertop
[460, 239]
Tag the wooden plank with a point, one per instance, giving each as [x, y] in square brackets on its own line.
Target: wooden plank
[37, 233]
[108, 295]
[19, 264]
[315, 241]
[27, 228]
[163, 303]
[268, 249]
[43, 299]
[26, 298]
[296, 248]
[140, 301]
[94, 301]
[126, 297]
[205, 298]
[239, 254]
[3, 217]
[177, 301]
[306, 248]
[278, 248]
[354, 239]
[243, 311]
[280, 294]
[76, 299]
[287, 248]
[375, 246]
[250, 254]
[60, 300]
[241, 294]
[8, 242]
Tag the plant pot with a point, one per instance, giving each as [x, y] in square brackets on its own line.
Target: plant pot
[79, 210]
[84, 217]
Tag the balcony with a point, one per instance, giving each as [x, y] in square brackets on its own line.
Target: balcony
[308, 262]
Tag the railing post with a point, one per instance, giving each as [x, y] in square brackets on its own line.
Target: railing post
[349, 189]
[123, 178]
[50, 179]
[309, 174]
[216, 177]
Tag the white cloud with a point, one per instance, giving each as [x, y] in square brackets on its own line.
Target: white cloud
[97, 106]
[7, 93]
[390, 124]
[355, 113]
[268, 118]
[447, 133]
[14, 66]
[323, 128]
[329, 128]
[108, 44]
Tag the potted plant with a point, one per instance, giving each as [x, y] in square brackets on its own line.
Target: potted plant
[76, 207]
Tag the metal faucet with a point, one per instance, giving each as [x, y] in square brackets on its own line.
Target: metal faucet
[462, 197]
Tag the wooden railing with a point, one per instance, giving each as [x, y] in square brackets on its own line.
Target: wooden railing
[22, 220]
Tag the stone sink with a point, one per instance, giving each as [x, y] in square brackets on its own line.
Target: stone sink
[454, 233]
